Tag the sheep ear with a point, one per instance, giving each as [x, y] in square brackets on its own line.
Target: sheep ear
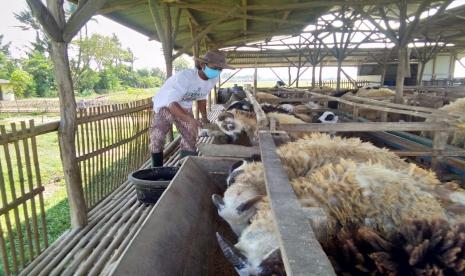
[248, 204]
[218, 201]
[236, 165]
[231, 253]
[272, 263]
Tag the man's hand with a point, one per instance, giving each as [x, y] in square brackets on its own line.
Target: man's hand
[204, 121]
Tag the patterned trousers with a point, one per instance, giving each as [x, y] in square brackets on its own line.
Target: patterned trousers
[161, 124]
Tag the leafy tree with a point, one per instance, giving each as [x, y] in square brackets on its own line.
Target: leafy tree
[22, 83]
[180, 64]
[88, 81]
[108, 80]
[4, 48]
[158, 73]
[41, 70]
[7, 64]
[29, 22]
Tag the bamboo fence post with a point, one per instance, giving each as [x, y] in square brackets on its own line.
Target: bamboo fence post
[23, 192]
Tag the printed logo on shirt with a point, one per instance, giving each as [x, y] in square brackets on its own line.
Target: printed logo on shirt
[192, 95]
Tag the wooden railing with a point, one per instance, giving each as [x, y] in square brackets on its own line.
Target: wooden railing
[111, 141]
[23, 230]
[344, 84]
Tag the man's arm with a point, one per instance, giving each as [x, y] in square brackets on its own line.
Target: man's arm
[202, 106]
[180, 113]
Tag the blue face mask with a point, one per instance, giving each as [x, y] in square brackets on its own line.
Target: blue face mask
[211, 73]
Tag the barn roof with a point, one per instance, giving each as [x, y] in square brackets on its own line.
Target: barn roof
[226, 23]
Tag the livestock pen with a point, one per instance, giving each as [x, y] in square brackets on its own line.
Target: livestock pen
[112, 233]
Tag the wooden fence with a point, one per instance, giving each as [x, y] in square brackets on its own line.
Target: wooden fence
[111, 142]
[345, 84]
[48, 105]
[23, 231]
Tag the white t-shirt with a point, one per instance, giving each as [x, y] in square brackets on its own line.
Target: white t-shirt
[183, 87]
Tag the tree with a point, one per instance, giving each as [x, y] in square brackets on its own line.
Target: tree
[4, 48]
[7, 64]
[158, 73]
[29, 22]
[180, 64]
[22, 83]
[41, 70]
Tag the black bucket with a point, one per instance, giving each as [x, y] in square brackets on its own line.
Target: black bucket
[151, 183]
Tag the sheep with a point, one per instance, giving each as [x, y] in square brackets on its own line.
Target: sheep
[418, 247]
[374, 91]
[457, 137]
[262, 96]
[366, 194]
[238, 204]
[241, 126]
[328, 117]
[243, 105]
[301, 157]
[238, 168]
[296, 111]
[324, 89]
[257, 250]
[361, 194]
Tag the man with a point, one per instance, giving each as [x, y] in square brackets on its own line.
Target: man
[173, 104]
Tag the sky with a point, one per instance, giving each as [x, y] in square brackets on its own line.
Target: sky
[148, 53]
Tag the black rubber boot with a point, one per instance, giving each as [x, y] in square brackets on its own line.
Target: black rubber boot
[184, 153]
[157, 159]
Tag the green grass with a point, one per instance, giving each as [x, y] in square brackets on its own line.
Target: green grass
[129, 95]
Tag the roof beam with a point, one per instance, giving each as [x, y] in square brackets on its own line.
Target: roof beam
[203, 33]
[280, 7]
[244, 10]
[110, 8]
[197, 23]
[80, 17]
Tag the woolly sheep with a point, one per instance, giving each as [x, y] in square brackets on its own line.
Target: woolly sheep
[418, 247]
[301, 157]
[350, 193]
[257, 250]
[457, 137]
[366, 194]
[236, 123]
[262, 96]
[377, 91]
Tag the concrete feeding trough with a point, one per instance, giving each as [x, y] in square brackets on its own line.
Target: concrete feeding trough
[178, 237]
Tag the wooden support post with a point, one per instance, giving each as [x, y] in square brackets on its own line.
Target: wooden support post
[338, 76]
[439, 145]
[313, 75]
[164, 32]
[355, 112]
[383, 116]
[289, 75]
[255, 77]
[215, 95]
[209, 101]
[53, 20]
[401, 70]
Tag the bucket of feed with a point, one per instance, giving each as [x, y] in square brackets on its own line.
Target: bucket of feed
[151, 183]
